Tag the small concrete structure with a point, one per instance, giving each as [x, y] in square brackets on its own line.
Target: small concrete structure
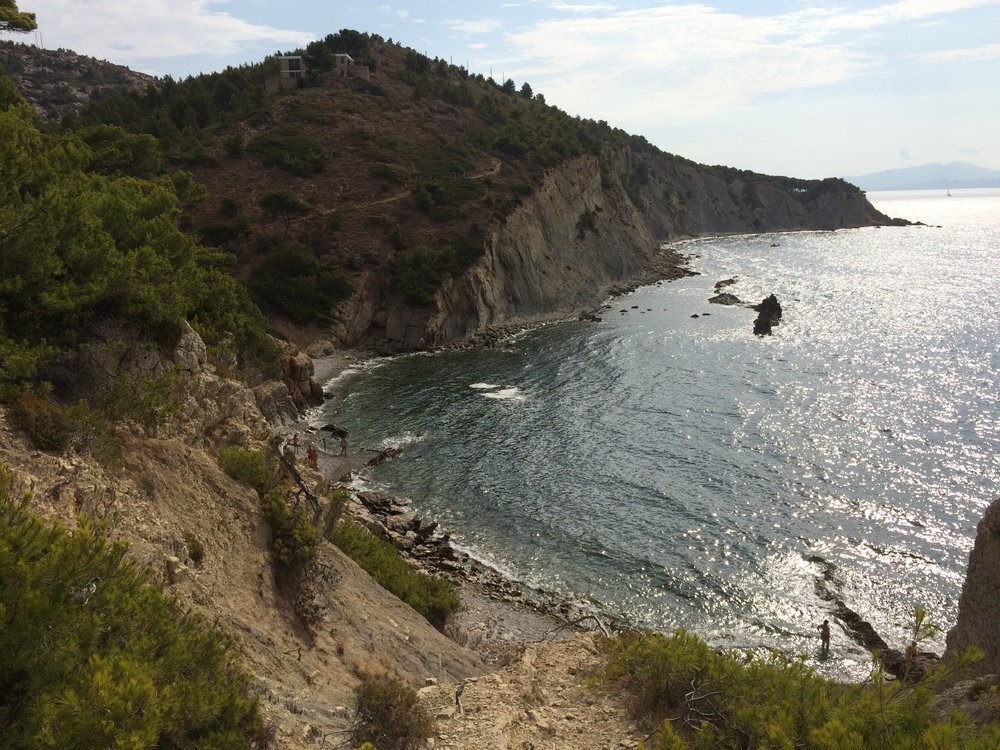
[347, 67]
[291, 66]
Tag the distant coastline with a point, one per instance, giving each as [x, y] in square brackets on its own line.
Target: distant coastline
[955, 175]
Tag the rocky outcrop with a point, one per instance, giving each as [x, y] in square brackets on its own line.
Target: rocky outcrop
[979, 605]
[769, 315]
[558, 253]
[725, 298]
[298, 375]
[213, 410]
[590, 229]
[59, 82]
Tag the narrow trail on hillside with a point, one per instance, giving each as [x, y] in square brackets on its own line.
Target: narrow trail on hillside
[493, 170]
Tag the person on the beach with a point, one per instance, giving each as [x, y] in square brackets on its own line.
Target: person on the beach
[824, 635]
[311, 455]
[343, 445]
[295, 442]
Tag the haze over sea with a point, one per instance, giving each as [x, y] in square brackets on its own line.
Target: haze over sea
[680, 471]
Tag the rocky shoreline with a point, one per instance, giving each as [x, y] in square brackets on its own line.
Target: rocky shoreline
[499, 616]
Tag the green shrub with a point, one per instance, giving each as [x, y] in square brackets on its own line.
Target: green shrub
[388, 714]
[294, 539]
[96, 248]
[719, 700]
[418, 273]
[443, 197]
[45, 422]
[195, 549]
[284, 205]
[434, 598]
[96, 435]
[292, 281]
[96, 657]
[586, 223]
[247, 466]
[289, 150]
[143, 398]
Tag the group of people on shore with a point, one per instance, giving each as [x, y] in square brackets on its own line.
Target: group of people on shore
[312, 452]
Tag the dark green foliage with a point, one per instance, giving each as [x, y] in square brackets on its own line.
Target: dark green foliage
[284, 205]
[45, 423]
[219, 234]
[172, 106]
[141, 398]
[292, 281]
[115, 151]
[586, 223]
[289, 150]
[52, 427]
[350, 42]
[195, 549]
[719, 700]
[389, 715]
[443, 198]
[96, 657]
[434, 598]
[294, 539]
[418, 273]
[247, 466]
[81, 248]
[235, 146]
[417, 63]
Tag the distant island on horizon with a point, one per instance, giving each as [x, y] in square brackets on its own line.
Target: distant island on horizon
[954, 175]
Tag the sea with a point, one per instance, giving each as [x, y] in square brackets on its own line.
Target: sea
[667, 467]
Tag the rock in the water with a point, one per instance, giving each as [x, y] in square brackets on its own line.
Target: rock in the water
[979, 604]
[725, 298]
[769, 315]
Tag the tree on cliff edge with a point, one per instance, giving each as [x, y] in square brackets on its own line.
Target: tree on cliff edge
[11, 19]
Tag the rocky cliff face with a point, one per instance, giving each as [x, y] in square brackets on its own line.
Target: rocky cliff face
[203, 537]
[593, 224]
[979, 605]
[59, 82]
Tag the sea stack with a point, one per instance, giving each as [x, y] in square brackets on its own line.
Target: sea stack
[769, 315]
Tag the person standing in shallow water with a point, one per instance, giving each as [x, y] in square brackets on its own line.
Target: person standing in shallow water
[824, 635]
[343, 445]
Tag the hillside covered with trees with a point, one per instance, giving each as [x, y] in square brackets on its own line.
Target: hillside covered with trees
[386, 174]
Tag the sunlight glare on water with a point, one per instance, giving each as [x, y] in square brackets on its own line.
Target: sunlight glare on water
[679, 471]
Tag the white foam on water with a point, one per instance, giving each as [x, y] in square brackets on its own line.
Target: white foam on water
[401, 441]
[507, 394]
[484, 386]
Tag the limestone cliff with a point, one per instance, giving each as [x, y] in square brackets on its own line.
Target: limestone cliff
[979, 605]
[592, 225]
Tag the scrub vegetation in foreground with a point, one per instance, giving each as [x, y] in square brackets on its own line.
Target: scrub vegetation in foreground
[699, 698]
[94, 656]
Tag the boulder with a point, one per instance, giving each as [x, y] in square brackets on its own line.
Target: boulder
[725, 298]
[769, 315]
[979, 603]
[275, 402]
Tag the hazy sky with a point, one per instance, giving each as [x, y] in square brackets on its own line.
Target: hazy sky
[795, 87]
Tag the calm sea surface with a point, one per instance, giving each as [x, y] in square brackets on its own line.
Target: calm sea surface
[680, 471]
